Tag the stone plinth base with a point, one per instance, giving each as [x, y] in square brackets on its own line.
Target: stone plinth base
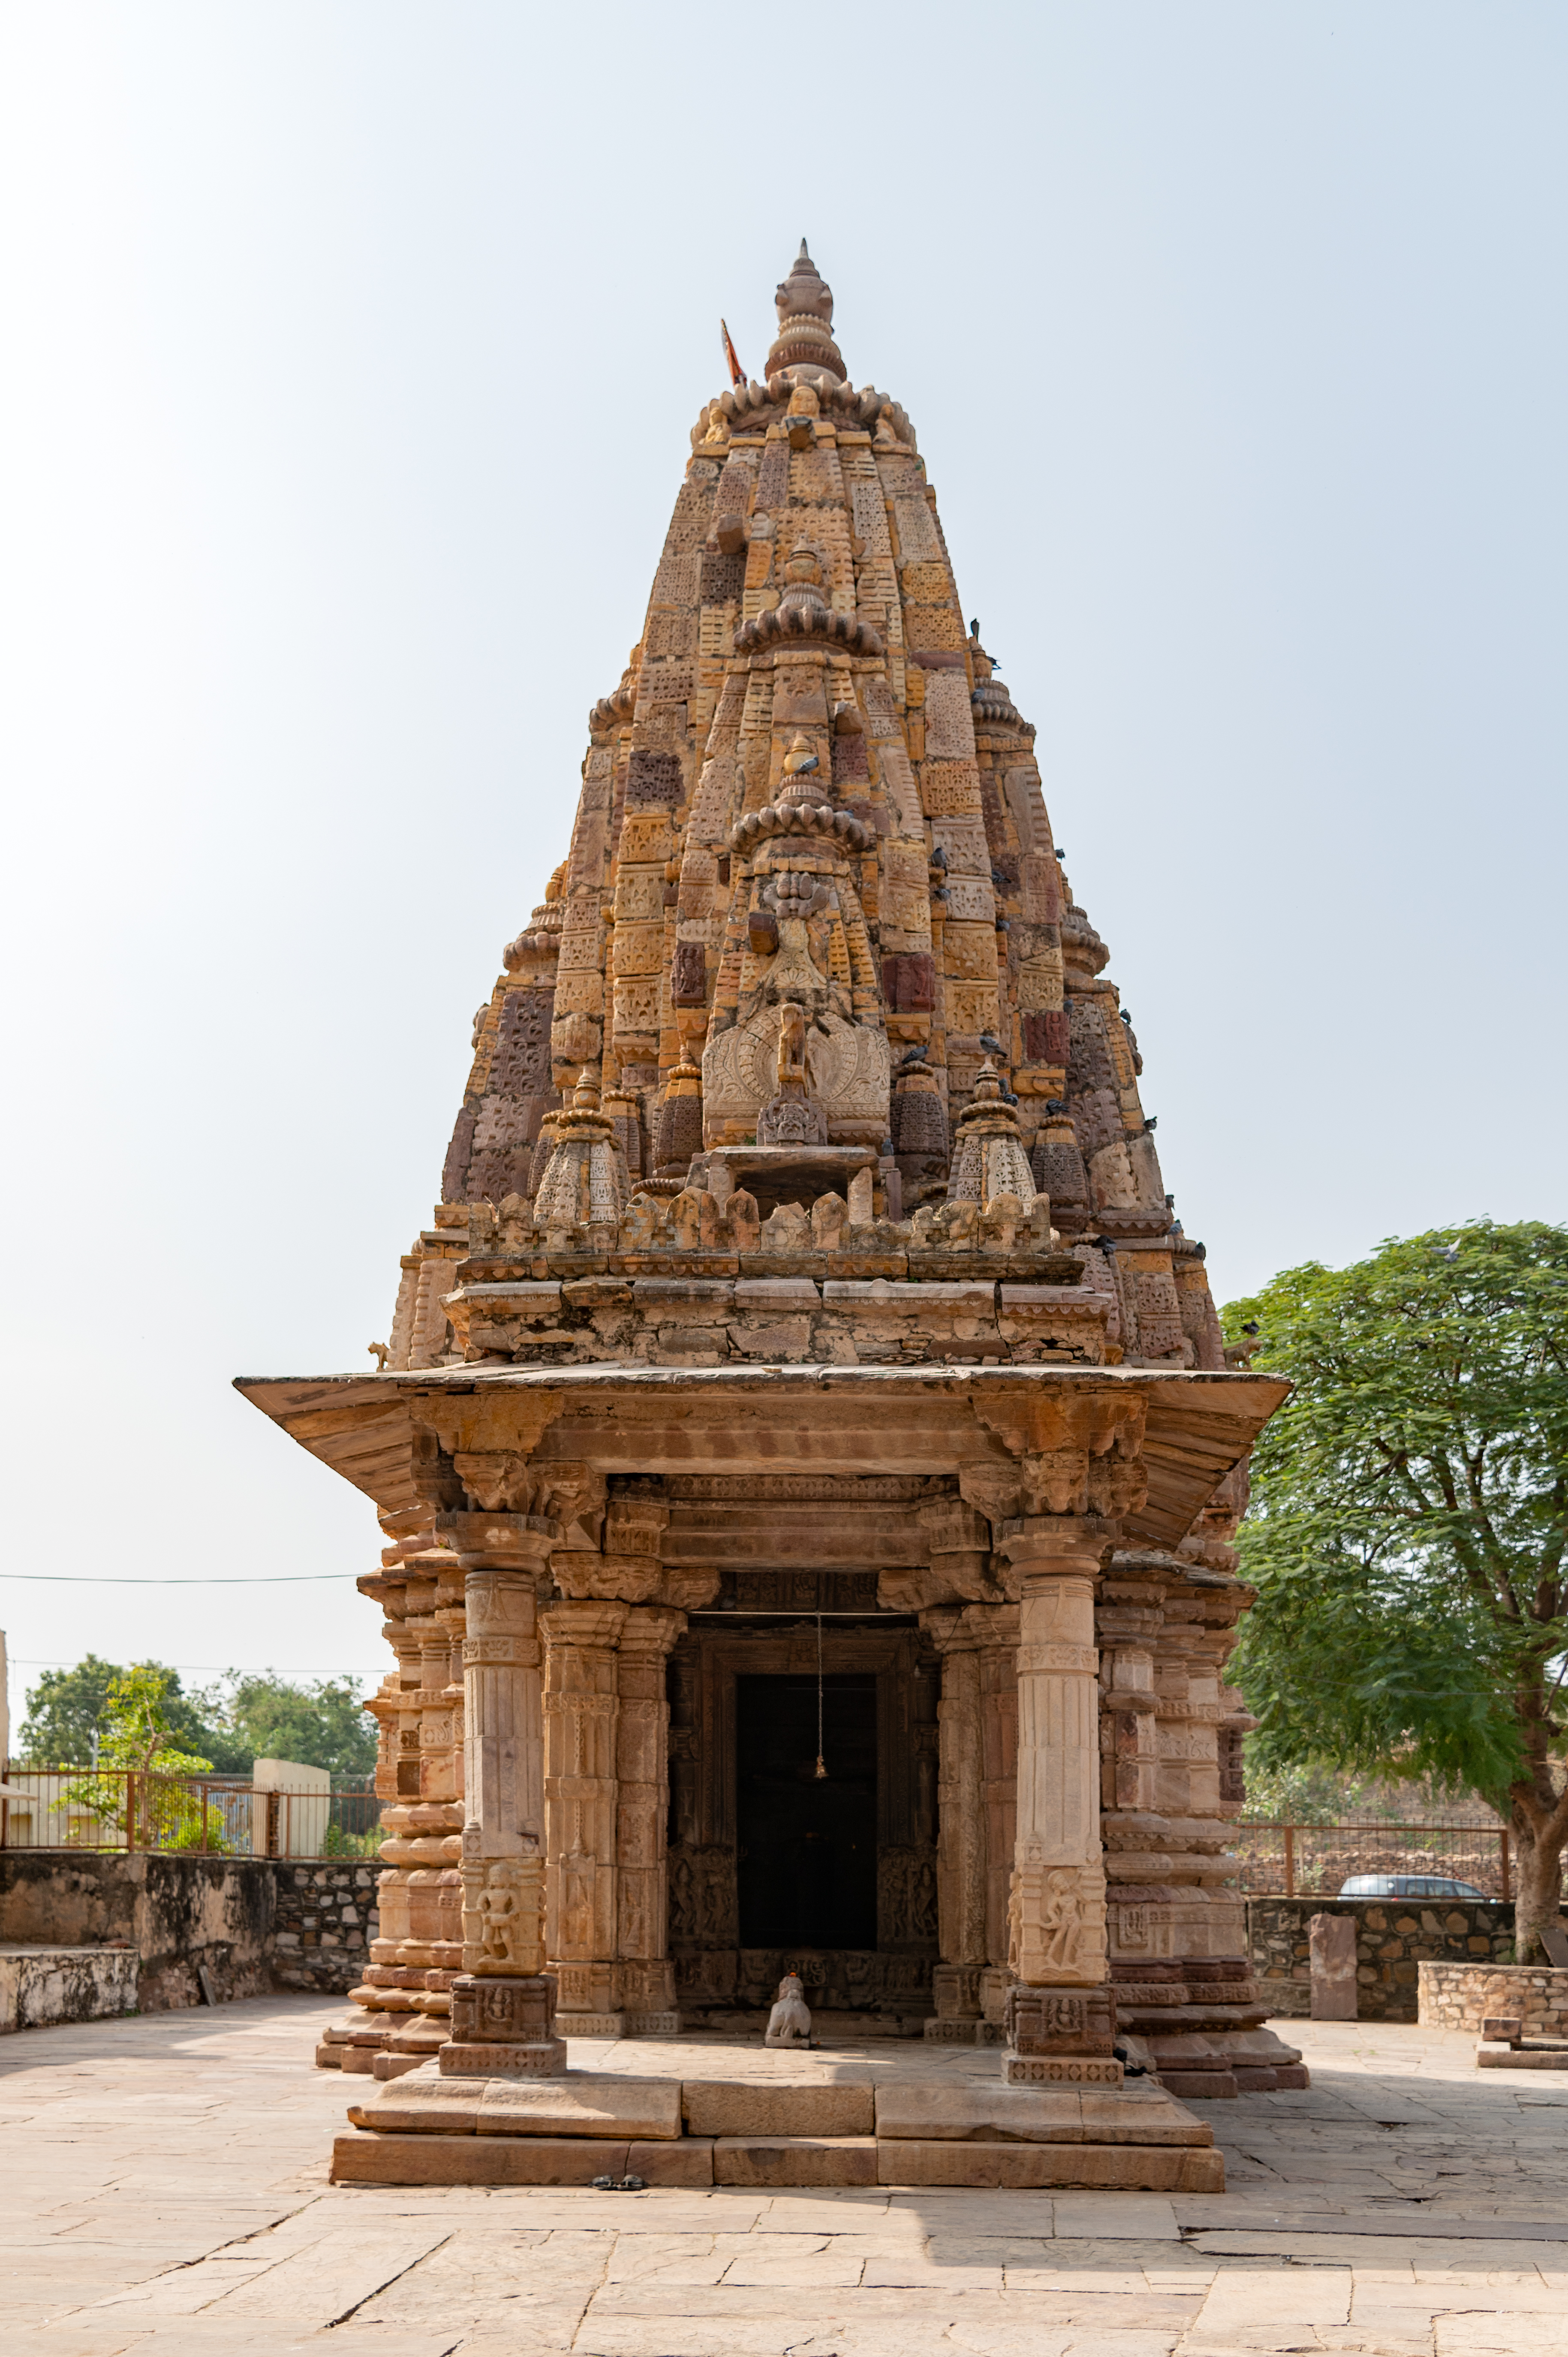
[1121, 2168]
[1060, 2071]
[945, 2031]
[595, 2025]
[393, 2066]
[762, 2127]
[545, 2060]
[361, 2158]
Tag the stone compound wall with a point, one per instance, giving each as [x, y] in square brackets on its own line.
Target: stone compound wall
[1396, 1938]
[326, 1920]
[256, 1924]
[177, 1911]
[1459, 1996]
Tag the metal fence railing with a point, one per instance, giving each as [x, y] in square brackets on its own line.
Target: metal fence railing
[1312, 1861]
[126, 1809]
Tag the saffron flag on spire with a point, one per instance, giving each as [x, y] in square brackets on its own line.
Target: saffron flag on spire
[737, 374]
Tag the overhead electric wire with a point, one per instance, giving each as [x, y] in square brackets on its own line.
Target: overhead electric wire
[137, 1579]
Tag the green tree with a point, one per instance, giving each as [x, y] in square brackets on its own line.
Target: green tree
[68, 1709]
[1408, 1523]
[140, 1730]
[143, 1727]
[319, 1723]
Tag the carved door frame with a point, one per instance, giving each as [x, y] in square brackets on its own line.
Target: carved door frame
[704, 1821]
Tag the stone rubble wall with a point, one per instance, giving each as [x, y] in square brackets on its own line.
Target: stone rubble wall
[326, 1921]
[255, 1924]
[1460, 1996]
[1396, 1942]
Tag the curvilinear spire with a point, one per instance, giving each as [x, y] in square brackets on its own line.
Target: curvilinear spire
[803, 1250]
[812, 787]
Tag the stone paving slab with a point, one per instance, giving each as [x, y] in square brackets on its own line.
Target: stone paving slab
[167, 2193]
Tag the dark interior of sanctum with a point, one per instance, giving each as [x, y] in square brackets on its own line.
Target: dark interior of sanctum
[804, 1803]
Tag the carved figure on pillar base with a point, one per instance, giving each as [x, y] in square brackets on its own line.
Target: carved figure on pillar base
[503, 2005]
[503, 1909]
[1058, 2038]
[1057, 1919]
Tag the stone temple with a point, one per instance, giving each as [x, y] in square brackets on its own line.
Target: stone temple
[805, 1448]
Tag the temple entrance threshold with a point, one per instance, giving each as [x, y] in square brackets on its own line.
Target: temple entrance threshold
[807, 1858]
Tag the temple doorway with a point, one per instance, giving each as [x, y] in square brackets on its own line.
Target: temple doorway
[807, 1847]
[771, 1868]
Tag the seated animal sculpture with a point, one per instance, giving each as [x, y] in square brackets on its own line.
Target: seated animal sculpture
[789, 2023]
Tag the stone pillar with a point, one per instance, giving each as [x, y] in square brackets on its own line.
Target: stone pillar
[1057, 1904]
[960, 1829]
[645, 1979]
[502, 2006]
[503, 1719]
[998, 1662]
[978, 1716]
[1058, 1901]
[582, 1710]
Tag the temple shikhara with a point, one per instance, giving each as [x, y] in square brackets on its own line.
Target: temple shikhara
[805, 1448]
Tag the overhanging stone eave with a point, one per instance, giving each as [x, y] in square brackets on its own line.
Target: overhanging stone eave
[1199, 1424]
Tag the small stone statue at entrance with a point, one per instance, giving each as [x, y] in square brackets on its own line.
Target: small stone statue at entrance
[789, 2023]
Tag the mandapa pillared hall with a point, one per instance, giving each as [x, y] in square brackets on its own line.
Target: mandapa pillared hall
[804, 1367]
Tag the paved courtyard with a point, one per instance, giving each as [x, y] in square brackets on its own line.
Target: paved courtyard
[166, 2191]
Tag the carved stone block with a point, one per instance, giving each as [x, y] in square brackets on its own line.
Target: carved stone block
[1060, 2021]
[545, 2060]
[1044, 1038]
[1059, 2070]
[490, 2012]
[503, 1916]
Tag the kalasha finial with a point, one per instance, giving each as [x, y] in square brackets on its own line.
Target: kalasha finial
[805, 342]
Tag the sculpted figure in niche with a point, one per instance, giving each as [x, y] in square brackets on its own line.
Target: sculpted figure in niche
[794, 1004]
[792, 1118]
[501, 1916]
[808, 944]
[499, 1923]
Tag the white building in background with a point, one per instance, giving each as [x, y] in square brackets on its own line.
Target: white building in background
[305, 1806]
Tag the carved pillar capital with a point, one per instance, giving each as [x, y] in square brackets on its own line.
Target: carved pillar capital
[1054, 1547]
[634, 1524]
[1078, 1451]
[652, 1629]
[499, 1541]
[579, 1621]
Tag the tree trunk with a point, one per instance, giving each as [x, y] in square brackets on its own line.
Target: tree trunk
[1539, 1836]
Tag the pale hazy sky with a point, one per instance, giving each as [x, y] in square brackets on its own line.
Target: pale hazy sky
[351, 349]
